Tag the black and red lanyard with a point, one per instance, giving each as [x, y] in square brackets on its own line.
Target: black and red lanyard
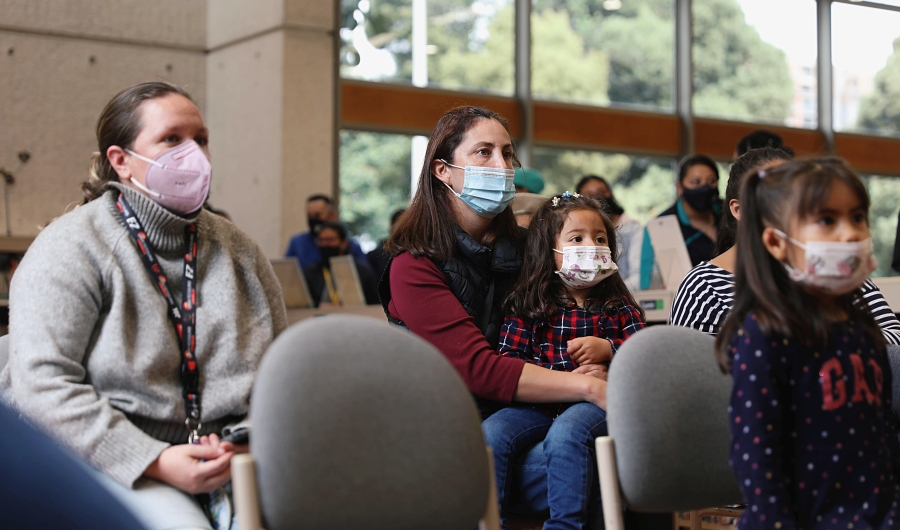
[183, 317]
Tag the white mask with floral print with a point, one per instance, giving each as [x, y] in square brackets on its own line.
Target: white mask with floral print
[584, 267]
[832, 266]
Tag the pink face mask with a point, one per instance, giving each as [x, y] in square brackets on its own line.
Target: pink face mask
[178, 178]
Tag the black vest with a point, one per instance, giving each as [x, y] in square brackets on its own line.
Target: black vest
[480, 278]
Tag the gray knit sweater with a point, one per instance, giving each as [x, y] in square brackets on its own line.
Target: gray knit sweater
[94, 358]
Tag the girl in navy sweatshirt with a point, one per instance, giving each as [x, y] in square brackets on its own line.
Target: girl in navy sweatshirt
[814, 442]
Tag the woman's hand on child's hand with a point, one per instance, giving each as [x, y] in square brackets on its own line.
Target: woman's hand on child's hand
[194, 468]
[589, 350]
[600, 371]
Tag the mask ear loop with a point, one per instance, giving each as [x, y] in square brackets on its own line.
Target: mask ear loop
[449, 187]
[149, 161]
[789, 238]
[145, 159]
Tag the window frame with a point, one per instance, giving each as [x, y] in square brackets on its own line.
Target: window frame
[414, 110]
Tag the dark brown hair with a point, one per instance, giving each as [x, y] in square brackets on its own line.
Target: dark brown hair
[119, 124]
[760, 139]
[782, 195]
[696, 160]
[540, 291]
[339, 228]
[753, 160]
[427, 227]
[587, 178]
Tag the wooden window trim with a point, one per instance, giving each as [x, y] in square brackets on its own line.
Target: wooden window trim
[401, 109]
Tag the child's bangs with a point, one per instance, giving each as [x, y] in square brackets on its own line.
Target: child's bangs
[813, 188]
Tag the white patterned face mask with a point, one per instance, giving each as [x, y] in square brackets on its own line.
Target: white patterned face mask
[584, 267]
[833, 266]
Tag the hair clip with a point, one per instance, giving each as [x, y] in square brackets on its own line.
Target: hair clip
[565, 195]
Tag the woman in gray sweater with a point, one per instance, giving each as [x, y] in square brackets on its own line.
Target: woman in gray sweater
[139, 319]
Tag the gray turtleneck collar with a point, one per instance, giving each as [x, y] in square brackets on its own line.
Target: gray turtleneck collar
[165, 230]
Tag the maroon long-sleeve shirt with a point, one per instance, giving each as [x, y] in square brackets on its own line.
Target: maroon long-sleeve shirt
[422, 299]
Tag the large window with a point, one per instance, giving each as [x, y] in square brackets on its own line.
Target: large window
[885, 194]
[602, 93]
[866, 57]
[455, 44]
[375, 182]
[755, 60]
[587, 52]
[644, 186]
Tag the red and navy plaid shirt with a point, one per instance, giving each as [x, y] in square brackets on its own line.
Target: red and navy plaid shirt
[544, 342]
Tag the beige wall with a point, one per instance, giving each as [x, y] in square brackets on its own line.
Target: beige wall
[262, 73]
[272, 105]
[60, 62]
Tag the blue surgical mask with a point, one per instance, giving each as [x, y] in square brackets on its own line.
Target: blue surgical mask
[486, 190]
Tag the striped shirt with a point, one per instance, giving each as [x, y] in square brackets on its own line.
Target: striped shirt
[706, 295]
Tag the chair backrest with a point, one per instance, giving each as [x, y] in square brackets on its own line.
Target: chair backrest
[668, 416]
[357, 424]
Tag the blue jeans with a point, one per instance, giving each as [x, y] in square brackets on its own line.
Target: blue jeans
[541, 462]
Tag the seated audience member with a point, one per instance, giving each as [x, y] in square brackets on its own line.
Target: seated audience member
[813, 441]
[628, 231]
[43, 486]
[332, 241]
[460, 252]
[524, 205]
[378, 258]
[528, 180]
[706, 295]
[568, 308]
[319, 209]
[757, 140]
[138, 320]
[697, 209]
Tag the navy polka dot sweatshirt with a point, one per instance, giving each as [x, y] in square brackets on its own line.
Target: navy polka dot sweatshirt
[814, 442]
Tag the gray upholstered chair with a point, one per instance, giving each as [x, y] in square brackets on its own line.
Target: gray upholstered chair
[357, 424]
[667, 448]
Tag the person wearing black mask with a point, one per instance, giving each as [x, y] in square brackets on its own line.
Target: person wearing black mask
[319, 209]
[697, 209]
[331, 241]
[628, 231]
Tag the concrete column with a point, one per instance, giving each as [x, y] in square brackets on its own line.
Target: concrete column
[272, 112]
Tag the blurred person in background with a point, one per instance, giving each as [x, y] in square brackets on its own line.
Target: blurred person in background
[332, 241]
[378, 258]
[319, 209]
[697, 209]
[628, 231]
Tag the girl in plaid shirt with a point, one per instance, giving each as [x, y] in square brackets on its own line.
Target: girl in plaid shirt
[569, 310]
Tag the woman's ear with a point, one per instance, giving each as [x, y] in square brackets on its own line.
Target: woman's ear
[442, 171]
[735, 208]
[774, 243]
[679, 189]
[118, 160]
